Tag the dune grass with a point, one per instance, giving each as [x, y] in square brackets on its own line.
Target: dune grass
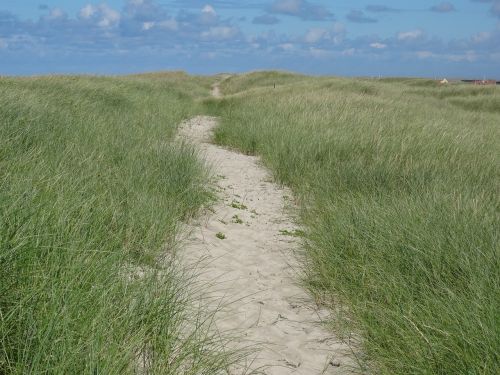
[92, 190]
[259, 80]
[398, 181]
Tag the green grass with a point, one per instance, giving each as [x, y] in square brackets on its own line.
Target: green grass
[236, 84]
[398, 181]
[293, 233]
[238, 205]
[92, 190]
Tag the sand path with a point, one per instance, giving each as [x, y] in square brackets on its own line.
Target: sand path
[252, 269]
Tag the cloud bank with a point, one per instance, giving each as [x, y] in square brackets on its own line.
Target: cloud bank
[201, 36]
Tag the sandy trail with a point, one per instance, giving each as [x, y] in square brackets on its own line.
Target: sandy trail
[253, 270]
[216, 91]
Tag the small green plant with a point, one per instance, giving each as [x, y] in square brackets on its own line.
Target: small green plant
[293, 233]
[239, 206]
[237, 220]
[220, 236]
[222, 221]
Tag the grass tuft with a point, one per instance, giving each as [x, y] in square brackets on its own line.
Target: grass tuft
[221, 236]
[238, 205]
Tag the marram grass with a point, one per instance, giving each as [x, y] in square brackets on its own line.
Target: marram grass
[92, 190]
[398, 181]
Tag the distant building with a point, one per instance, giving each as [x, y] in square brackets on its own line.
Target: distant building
[485, 82]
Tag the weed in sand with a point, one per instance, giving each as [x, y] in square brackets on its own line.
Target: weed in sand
[237, 220]
[239, 206]
[220, 236]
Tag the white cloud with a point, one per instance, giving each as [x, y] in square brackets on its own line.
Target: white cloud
[110, 17]
[333, 35]
[102, 14]
[469, 56]
[208, 9]
[56, 13]
[208, 15]
[315, 35]
[377, 45]
[287, 46]
[87, 11]
[348, 52]
[3, 43]
[148, 25]
[410, 35]
[170, 24]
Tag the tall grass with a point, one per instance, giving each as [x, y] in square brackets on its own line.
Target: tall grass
[91, 193]
[399, 187]
[259, 80]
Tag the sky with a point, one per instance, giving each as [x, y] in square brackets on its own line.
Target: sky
[426, 38]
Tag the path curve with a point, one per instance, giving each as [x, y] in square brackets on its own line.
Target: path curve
[251, 264]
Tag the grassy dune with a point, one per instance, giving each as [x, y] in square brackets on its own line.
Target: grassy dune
[398, 181]
[91, 191]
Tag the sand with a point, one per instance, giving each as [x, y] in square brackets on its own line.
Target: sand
[251, 269]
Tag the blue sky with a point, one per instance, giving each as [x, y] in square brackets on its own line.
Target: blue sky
[429, 38]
